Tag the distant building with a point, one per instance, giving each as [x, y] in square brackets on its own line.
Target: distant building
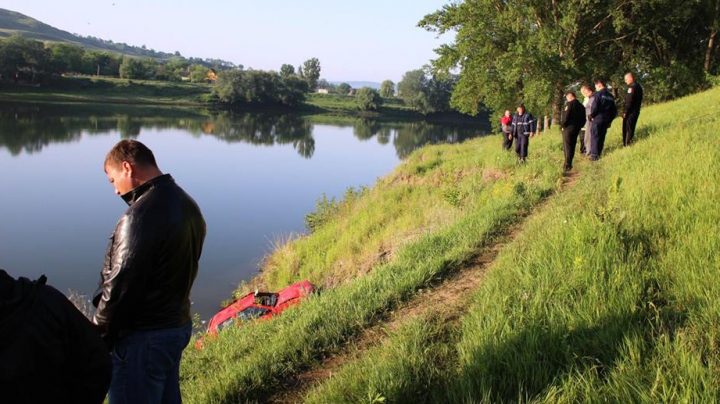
[211, 76]
[322, 91]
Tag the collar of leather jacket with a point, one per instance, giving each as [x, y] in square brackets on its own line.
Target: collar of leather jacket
[132, 196]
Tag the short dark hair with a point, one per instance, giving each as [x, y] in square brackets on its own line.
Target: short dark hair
[599, 81]
[571, 93]
[586, 85]
[131, 151]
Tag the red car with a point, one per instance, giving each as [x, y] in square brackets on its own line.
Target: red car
[258, 305]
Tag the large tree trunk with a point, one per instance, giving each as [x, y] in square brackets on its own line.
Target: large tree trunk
[713, 35]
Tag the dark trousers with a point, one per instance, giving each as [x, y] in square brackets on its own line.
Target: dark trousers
[146, 366]
[628, 129]
[598, 130]
[507, 143]
[570, 137]
[583, 147]
[521, 146]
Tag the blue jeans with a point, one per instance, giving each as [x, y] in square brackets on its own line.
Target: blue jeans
[146, 366]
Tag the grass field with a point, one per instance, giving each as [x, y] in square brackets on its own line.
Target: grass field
[608, 293]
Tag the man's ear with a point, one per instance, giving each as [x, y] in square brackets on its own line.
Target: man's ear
[127, 168]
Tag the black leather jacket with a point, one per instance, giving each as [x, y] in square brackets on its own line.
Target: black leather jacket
[151, 260]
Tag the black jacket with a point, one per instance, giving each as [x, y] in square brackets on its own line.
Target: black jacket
[573, 115]
[49, 351]
[633, 98]
[151, 261]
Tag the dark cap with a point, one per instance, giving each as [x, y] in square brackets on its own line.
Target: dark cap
[520, 105]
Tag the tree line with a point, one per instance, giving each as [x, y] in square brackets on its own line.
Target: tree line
[34, 62]
[530, 51]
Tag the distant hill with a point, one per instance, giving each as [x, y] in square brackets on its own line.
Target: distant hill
[12, 23]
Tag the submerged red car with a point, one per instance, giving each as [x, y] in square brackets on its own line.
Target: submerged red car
[258, 305]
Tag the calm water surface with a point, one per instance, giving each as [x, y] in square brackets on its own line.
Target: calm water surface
[254, 176]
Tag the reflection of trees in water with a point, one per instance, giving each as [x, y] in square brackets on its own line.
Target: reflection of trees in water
[265, 129]
[30, 128]
[409, 136]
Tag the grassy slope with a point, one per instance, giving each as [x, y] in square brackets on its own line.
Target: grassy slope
[411, 229]
[609, 295]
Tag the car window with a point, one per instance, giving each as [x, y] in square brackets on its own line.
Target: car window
[251, 313]
[225, 324]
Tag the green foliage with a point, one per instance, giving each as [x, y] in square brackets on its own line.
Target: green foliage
[237, 87]
[310, 72]
[198, 73]
[343, 89]
[531, 52]
[368, 99]
[287, 70]
[427, 94]
[140, 69]
[387, 89]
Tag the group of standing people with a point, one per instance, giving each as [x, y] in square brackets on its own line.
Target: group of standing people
[51, 353]
[593, 117]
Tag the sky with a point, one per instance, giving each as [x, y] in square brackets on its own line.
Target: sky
[370, 40]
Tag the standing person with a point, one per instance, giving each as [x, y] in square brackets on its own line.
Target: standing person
[523, 128]
[631, 112]
[143, 303]
[505, 122]
[49, 351]
[602, 112]
[573, 119]
[588, 95]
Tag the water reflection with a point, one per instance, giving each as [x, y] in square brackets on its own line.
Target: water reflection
[29, 128]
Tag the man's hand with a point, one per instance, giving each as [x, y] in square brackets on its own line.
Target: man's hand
[532, 134]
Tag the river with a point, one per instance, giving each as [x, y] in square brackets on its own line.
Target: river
[255, 177]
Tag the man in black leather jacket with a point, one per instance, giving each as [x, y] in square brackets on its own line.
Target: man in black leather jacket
[143, 302]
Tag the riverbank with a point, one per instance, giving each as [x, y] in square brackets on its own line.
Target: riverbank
[106, 90]
[606, 287]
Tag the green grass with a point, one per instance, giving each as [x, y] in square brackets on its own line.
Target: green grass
[110, 90]
[410, 230]
[608, 295]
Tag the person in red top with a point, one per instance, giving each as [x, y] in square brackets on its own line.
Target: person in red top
[507, 135]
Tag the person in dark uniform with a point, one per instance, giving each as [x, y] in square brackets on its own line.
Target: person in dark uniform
[631, 112]
[523, 128]
[602, 113]
[573, 119]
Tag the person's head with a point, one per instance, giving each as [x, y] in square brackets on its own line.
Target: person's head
[507, 112]
[586, 90]
[130, 164]
[521, 109]
[599, 84]
[629, 78]
[569, 96]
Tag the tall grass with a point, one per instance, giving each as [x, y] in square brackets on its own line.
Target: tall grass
[433, 213]
[609, 295]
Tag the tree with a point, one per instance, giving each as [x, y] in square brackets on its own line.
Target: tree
[387, 89]
[344, 88]
[67, 57]
[533, 51]
[368, 99]
[411, 88]
[310, 71]
[236, 87]
[198, 73]
[287, 70]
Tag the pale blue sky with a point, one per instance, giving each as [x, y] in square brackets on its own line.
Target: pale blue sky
[370, 40]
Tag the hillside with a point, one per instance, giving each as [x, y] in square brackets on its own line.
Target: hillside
[600, 286]
[12, 23]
